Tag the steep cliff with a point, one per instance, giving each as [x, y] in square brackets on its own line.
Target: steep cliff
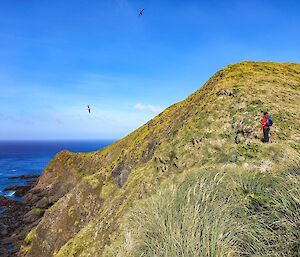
[217, 127]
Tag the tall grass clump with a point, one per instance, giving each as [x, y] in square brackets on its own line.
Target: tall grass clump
[193, 219]
[269, 206]
[227, 214]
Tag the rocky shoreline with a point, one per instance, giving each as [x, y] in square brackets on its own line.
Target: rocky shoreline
[18, 217]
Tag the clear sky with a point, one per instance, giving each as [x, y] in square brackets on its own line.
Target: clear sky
[56, 57]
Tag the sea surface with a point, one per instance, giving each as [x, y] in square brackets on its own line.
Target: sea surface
[24, 157]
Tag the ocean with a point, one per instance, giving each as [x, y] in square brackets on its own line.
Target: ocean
[24, 157]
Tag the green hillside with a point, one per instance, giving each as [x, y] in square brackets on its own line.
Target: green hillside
[201, 157]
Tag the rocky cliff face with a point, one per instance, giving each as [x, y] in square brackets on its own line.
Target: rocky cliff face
[216, 127]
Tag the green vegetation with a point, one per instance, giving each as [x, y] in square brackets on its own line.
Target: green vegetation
[37, 211]
[25, 248]
[30, 236]
[249, 150]
[217, 214]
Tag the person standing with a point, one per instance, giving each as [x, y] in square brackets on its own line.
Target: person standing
[266, 123]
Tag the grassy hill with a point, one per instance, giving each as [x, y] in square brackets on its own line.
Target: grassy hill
[200, 164]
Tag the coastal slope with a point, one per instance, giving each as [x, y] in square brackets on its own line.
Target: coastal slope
[215, 128]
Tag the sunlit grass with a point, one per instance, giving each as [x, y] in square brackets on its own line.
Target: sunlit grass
[226, 214]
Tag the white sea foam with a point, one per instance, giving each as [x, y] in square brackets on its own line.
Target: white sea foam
[10, 193]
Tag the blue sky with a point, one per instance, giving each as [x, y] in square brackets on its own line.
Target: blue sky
[58, 56]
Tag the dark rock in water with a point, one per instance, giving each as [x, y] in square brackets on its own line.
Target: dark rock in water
[17, 218]
[20, 217]
[4, 201]
[19, 190]
[25, 176]
[22, 190]
[31, 181]
[10, 188]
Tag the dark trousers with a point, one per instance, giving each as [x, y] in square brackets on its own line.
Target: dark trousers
[266, 134]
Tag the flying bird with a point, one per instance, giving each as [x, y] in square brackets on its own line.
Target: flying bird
[141, 12]
[89, 109]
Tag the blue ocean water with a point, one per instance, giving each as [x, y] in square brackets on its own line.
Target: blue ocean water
[23, 157]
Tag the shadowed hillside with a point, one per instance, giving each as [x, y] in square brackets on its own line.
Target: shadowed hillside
[214, 129]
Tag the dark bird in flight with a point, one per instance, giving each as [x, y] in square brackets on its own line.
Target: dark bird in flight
[141, 12]
[89, 109]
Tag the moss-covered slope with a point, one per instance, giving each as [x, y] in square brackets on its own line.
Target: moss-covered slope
[216, 127]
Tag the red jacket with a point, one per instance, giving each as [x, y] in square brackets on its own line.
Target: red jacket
[264, 121]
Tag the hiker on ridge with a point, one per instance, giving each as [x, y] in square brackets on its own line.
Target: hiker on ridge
[266, 123]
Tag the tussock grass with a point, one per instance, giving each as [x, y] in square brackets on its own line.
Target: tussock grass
[225, 214]
[185, 221]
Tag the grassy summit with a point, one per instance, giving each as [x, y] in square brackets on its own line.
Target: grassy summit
[179, 157]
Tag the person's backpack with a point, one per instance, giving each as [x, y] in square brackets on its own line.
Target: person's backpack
[269, 121]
